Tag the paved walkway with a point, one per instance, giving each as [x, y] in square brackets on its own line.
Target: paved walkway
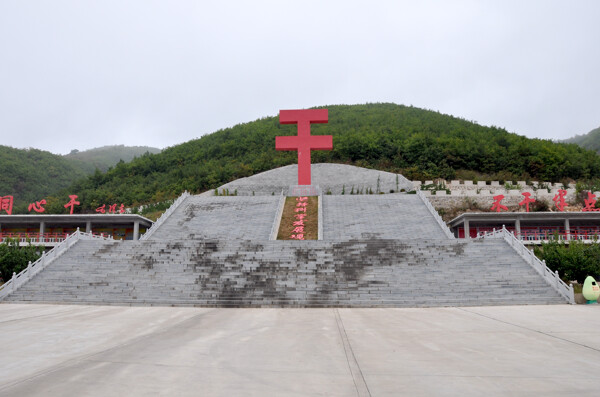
[59, 350]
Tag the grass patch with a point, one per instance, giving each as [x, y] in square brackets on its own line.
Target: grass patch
[311, 220]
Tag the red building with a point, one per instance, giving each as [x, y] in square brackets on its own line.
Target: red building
[533, 227]
[48, 230]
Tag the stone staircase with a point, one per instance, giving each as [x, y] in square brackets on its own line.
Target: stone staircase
[229, 272]
[389, 216]
[220, 217]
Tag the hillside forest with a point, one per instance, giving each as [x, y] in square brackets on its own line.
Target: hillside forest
[420, 144]
[32, 174]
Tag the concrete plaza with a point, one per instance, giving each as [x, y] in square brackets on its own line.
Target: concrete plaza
[76, 350]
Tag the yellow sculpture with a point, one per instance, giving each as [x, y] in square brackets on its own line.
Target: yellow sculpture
[591, 290]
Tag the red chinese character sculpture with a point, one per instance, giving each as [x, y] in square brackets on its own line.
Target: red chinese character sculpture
[526, 200]
[6, 204]
[112, 209]
[37, 206]
[590, 203]
[297, 236]
[304, 142]
[559, 200]
[497, 206]
[122, 208]
[72, 203]
[102, 209]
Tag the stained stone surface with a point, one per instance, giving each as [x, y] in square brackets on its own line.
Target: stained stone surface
[242, 273]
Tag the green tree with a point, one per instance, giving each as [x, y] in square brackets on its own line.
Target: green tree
[14, 258]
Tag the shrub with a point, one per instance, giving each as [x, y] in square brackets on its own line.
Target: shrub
[14, 258]
[574, 261]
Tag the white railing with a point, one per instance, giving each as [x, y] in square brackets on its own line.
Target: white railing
[39, 238]
[551, 277]
[435, 214]
[165, 215]
[277, 220]
[34, 268]
[320, 217]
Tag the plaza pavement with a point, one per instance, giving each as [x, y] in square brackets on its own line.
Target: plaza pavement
[77, 350]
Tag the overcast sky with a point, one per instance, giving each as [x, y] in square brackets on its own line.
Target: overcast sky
[82, 74]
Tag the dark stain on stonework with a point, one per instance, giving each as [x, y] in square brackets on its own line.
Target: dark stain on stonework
[174, 246]
[251, 246]
[145, 261]
[106, 248]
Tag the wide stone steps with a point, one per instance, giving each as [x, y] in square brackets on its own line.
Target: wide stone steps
[241, 273]
[388, 216]
[231, 217]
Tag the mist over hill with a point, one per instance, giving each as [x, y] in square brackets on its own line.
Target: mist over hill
[590, 141]
[107, 156]
[418, 143]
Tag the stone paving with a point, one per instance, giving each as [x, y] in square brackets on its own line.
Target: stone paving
[59, 350]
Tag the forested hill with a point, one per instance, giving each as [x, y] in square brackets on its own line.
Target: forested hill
[590, 141]
[30, 174]
[419, 143]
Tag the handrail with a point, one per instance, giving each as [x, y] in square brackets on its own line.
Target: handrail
[165, 215]
[34, 268]
[437, 216]
[551, 277]
[320, 217]
[36, 238]
[277, 220]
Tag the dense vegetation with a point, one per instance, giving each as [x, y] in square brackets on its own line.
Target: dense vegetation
[590, 141]
[574, 261]
[105, 157]
[14, 258]
[31, 174]
[418, 143]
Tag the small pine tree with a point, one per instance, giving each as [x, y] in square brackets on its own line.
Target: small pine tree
[352, 191]
[343, 189]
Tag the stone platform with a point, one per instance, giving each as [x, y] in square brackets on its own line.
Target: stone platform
[377, 250]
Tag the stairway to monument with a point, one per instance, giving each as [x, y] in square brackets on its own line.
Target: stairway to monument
[389, 216]
[240, 273]
[220, 217]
